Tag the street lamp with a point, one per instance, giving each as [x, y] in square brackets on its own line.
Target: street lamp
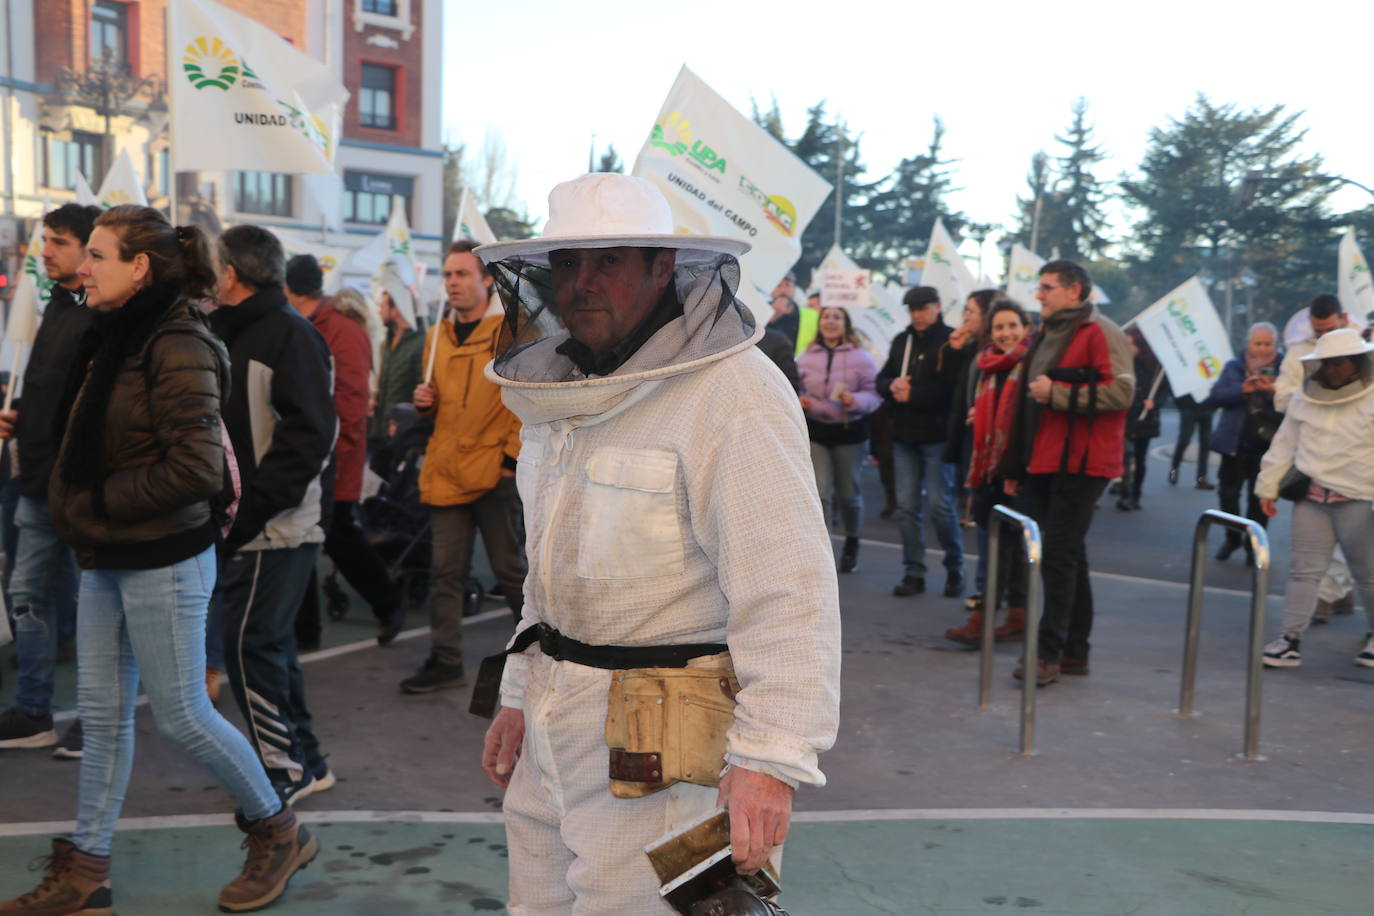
[107, 88]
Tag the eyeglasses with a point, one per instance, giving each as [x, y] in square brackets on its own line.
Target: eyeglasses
[1046, 287]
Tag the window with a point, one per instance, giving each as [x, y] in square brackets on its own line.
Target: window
[377, 99]
[66, 158]
[164, 171]
[380, 7]
[109, 26]
[264, 193]
[367, 197]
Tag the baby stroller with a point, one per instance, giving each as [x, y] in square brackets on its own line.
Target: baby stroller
[395, 523]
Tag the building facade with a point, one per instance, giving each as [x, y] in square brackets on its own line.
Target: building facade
[82, 81]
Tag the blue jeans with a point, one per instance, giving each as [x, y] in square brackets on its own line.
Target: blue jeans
[923, 476]
[837, 470]
[42, 591]
[151, 622]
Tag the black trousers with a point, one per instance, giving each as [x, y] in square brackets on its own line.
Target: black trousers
[1063, 504]
[1189, 418]
[1238, 472]
[1133, 479]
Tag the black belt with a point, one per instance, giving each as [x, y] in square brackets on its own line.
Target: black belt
[554, 644]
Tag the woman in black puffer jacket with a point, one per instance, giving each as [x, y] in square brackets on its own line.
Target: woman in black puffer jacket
[131, 493]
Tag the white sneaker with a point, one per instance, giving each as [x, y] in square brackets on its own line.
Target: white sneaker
[1366, 657]
[1283, 652]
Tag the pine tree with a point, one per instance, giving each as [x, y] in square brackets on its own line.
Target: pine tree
[1081, 193]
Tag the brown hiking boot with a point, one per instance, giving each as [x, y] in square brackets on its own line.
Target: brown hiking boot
[278, 847]
[1014, 630]
[1074, 666]
[970, 634]
[1046, 673]
[76, 884]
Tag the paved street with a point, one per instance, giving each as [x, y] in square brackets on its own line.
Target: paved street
[1124, 809]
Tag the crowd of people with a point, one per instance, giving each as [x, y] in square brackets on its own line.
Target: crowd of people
[1041, 412]
[197, 416]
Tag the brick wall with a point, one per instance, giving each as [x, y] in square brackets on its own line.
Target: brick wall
[61, 28]
[407, 58]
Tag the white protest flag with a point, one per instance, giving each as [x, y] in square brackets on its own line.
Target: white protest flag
[121, 185]
[471, 224]
[1187, 337]
[1353, 286]
[946, 271]
[30, 298]
[330, 257]
[725, 175]
[1023, 277]
[243, 98]
[84, 195]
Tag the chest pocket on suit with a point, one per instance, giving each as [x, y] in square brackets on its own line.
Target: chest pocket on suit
[630, 526]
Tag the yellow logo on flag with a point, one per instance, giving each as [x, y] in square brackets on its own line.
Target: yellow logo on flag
[210, 62]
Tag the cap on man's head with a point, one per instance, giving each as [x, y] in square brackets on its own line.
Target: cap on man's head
[918, 297]
[610, 210]
[304, 276]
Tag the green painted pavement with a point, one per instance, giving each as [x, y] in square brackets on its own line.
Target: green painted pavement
[1074, 866]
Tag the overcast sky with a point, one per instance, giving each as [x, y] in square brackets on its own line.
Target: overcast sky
[547, 75]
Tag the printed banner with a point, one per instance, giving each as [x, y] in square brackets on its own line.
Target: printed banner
[946, 271]
[879, 318]
[243, 98]
[1187, 336]
[1023, 277]
[1353, 285]
[725, 175]
[845, 289]
[330, 257]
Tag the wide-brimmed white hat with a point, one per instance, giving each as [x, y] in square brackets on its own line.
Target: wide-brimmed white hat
[609, 210]
[1340, 342]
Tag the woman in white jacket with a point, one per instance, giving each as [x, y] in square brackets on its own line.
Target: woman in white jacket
[1328, 436]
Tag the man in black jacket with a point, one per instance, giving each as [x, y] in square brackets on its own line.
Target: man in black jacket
[281, 420]
[43, 580]
[918, 385]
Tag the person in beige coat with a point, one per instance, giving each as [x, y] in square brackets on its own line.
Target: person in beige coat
[673, 523]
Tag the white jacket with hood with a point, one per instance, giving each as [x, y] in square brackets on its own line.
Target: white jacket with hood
[673, 501]
[1328, 434]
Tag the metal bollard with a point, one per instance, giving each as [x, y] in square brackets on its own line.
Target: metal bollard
[1001, 517]
[1259, 598]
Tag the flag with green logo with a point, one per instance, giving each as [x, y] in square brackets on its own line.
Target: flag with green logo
[471, 224]
[1187, 336]
[1353, 285]
[243, 98]
[121, 185]
[946, 271]
[33, 292]
[1023, 277]
[724, 175]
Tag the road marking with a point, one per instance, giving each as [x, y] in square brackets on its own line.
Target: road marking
[857, 815]
[320, 655]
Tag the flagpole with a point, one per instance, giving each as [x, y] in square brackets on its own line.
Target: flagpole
[839, 181]
[14, 374]
[434, 346]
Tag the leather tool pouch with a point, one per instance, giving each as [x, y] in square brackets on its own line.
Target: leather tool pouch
[668, 725]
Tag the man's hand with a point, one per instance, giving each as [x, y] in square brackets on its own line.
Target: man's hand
[1040, 389]
[507, 472]
[1269, 507]
[8, 420]
[760, 812]
[1149, 404]
[959, 336]
[425, 395]
[1010, 487]
[901, 389]
[501, 748]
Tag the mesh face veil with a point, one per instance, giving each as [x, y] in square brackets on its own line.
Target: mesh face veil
[712, 320]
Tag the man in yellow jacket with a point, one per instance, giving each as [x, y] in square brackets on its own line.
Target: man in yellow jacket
[468, 477]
